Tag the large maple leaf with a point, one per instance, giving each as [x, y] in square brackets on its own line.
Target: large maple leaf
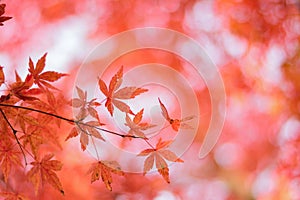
[175, 123]
[136, 126]
[43, 79]
[104, 169]
[113, 93]
[43, 171]
[2, 11]
[159, 154]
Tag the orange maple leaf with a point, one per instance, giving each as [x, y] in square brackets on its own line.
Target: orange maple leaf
[2, 11]
[159, 154]
[135, 125]
[33, 137]
[104, 169]
[8, 158]
[43, 172]
[175, 123]
[43, 79]
[113, 94]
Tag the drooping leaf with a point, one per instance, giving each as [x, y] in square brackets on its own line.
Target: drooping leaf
[104, 169]
[43, 171]
[159, 154]
[8, 158]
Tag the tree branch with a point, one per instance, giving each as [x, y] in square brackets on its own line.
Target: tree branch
[67, 119]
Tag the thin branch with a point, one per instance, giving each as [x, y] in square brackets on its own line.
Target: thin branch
[39, 111]
[15, 135]
[66, 119]
[149, 144]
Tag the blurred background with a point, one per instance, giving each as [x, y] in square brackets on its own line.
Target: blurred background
[254, 44]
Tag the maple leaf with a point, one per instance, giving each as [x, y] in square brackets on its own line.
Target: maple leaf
[21, 89]
[135, 125]
[104, 169]
[84, 105]
[43, 79]
[159, 154]
[113, 93]
[2, 11]
[32, 137]
[43, 171]
[22, 117]
[175, 123]
[85, 129]
[8, 158]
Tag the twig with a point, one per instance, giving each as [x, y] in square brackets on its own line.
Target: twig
[15, 135]
[67, 119]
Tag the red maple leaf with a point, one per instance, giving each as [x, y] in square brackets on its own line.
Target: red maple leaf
[2, 11]
[43, 79]
[175, 123]
[43, 171]
[104, 169]
[159, 154]
[113, 93]
[22, 89]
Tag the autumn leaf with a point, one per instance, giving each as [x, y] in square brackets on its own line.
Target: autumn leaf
[85, 106]
[43, 79]
[22, 89]
[8, 158]
[135, 125]
[159, 154]
[2, 11]
[175, 123]
[43, 171]
[33, 137]
[104, 169]
[113, 93]
[86, 130]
